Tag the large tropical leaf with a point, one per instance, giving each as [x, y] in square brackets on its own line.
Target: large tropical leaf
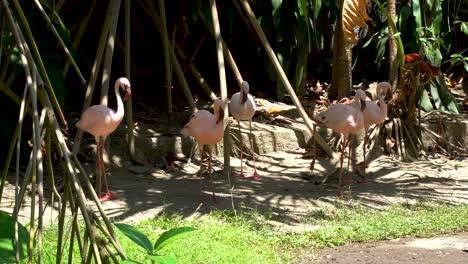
[7, 238]
[171, 235]
[354, 18]
[136, 236]
[163, 259]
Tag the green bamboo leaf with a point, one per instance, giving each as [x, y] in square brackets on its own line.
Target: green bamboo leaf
[439, 105]
[464, 28]
[403, 17]
[170, 235]
[425, 102]
[302, 7]
[446, 96]
[316, 7]
[162, 259]
[417, 13]
[136, 236]
[276, 4]
[7, 239]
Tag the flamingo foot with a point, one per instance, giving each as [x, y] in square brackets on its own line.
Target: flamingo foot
[255, 175]
[107, 197]
[312, 165]
[241, 175]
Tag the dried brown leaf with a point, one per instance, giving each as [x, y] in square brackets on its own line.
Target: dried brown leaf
[354, 18]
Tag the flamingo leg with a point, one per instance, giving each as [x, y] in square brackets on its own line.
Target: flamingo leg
[348, 179]
[108, 194]
[211, 176]
[241, 174]
[255, 175]
[314, 151]
[99, 170]
[364, 165]
[341, 166]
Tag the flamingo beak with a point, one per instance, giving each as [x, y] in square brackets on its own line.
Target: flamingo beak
[128, 92]
[244, 97]
[388, 96]
[220, 115]
[363, 105]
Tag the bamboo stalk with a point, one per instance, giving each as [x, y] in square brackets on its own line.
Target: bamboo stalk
[49, 86]
[75, 183]
[110, 230]
[167, 58]
[227, 53]
[151, 11]
[79, 34]
[94, 74]
[7, 61]
[106, 69]
[128, 63]
[60, 40]
[195, 51]
[222, 86]
[195, 73]
[283, 77]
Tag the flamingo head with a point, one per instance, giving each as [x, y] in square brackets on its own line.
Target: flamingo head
[320, 118]
[384, 91]
[361, 95]
[244, 90]
[218, 106]
[124, 83]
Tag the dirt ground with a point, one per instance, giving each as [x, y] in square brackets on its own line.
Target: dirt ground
[287, 192]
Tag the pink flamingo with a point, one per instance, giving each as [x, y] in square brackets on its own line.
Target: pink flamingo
[100, 121]
[346, 119]
[207, 129]
[243, 107]
[375, 113]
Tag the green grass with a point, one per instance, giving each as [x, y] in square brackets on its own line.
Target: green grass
[222, 237]
[359, 224]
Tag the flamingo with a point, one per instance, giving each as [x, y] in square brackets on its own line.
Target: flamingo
[243, 107]
[374, 113]
[100, 121]
[207, 129]
[346, 119]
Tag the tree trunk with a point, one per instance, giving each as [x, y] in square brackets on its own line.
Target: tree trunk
[341, 64]
[392, 49]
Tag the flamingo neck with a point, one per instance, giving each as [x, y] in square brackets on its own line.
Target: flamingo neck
[120, 106]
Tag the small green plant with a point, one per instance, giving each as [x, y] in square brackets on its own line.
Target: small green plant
[143, 241]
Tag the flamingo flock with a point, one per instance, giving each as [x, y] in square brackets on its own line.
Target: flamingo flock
[348, 118]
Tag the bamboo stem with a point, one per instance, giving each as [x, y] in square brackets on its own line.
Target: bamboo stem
[60, 40]
[167, 58]
[79, 34]
[106, 68]
[152, 12]
[128, 64]
[49, 86]
[196, 74]
[94, 74]
[75, 183]
[283, 77]
[226, 52]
